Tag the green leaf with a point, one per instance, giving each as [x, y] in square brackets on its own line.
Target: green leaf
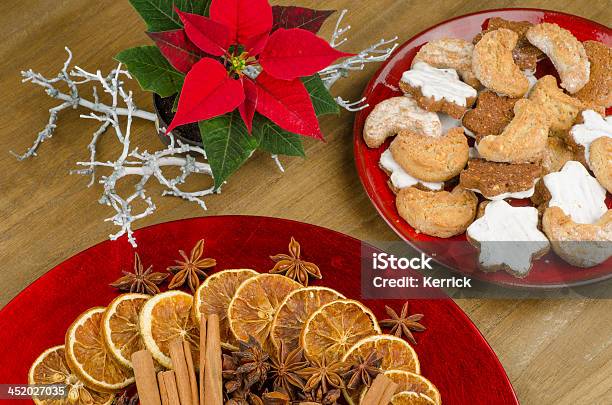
[159, 15]
[322, 100]
[153, 72]
[227, 144]
[276, 140]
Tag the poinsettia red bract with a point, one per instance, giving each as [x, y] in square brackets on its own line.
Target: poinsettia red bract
[237, 39]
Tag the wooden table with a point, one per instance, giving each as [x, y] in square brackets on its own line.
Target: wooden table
[555, 351]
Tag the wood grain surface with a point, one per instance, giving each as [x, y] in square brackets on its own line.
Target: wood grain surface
[555, 351]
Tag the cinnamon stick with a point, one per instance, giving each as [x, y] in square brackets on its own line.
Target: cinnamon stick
[179, 365]
[163, 393]
[202, 356]
[212, 373]
[171, 388]
[193, 383]
[146, 381]
[381, 391]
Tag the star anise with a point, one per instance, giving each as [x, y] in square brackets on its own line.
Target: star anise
[286, 368]
[253, 363]
[363, 371]
[323, 374]
[191, 268]
[403, 323]
[317, 397]
[140, 281]
[293, 267]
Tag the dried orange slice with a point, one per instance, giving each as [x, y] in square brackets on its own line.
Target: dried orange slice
[254, 305]
[295, 310]
[88, 357]
[214, 296]
[51, 368]
[335, 327]
[121, 327]
[167, 317]
[411, 382]
[411, 398]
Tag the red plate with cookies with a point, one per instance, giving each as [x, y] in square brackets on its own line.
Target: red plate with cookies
[487, 144]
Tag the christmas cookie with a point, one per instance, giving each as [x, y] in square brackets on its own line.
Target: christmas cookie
[577, 193]
[601, 161]
[561, 108]
[523, 140]
[566, 53]
[437, 213]
[581, 135]
[494, 65]
[508, 238]
[498, 181]
[491, 115]
[581, 245]
[556, 155]
[449, 53]
[399, 177]
[438, 90]
[599, 88]
[431, 159]
[396, 114]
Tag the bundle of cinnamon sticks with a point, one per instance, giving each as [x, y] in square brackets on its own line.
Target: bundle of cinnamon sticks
[179, 386]
[381, 391]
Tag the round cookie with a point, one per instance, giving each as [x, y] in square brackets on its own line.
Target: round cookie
[494, 65]
[396, 114]
[431, 159]
[581, 245]
[600, 160]
[437, 213]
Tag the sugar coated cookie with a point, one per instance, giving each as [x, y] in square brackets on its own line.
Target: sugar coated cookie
[491, 115]
[601, 161]
[438, 89]
[449, 53]
[396, 114]
[566, 53]
[599, 88]
[593, 126]
[523, 140]
[431, 159]
[494, 65]
[437, 213]
[399, 177]
[581, 245]
[498, 181]
[577, 193]
[508, 238]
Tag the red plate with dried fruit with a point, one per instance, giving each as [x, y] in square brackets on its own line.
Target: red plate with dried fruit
[488, 153]
[71, 321]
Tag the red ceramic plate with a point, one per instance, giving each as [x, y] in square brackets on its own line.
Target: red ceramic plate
[455, 253]
[453, 353]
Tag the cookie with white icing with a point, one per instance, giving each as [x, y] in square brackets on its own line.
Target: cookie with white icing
[566, 53]
[601, 161]
[449, 53]
[437, 213]
[491, 115]
[593, 126]
[498, 181]
[581, 245]
[508, 238]
[399, 178]
[577, 193]
[395, 114]
[438, 90]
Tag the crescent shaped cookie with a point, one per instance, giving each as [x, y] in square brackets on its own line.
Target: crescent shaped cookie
[453, 53]
[494, 65]
[524, 139]
[581, 245]
[431, 159]
[437, 213]
[566, 53]
[395, 114]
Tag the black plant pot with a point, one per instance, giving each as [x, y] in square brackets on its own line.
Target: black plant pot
[189, 134]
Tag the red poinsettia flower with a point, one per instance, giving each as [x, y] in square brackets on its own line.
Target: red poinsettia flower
[217, 51]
